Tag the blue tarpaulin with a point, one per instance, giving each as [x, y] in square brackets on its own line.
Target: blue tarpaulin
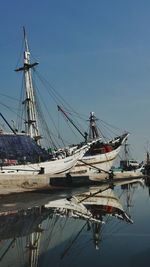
[21, 148]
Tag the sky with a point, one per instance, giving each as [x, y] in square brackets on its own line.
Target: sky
[96, 53]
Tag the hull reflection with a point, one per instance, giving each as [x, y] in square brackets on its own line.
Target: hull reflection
[31, 231]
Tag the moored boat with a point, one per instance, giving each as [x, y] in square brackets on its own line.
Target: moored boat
[22, 154]
[101, 154]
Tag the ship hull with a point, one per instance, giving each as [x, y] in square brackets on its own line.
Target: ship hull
[99, 161]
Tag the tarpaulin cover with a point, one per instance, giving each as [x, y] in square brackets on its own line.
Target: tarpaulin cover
[21, 148]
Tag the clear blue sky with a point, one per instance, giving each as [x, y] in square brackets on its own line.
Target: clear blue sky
[96, 53]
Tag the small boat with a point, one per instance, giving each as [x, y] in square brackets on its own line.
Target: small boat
[129, 167]
[118, 174]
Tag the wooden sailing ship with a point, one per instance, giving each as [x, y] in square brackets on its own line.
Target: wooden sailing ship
[22, 153]
[101, 154]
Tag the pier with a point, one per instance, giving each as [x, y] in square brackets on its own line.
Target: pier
[16, 184]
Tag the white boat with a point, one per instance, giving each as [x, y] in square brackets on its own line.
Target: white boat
[127, 162]
[101, 155]
[16, 162]
[48, 167]
[129, 167]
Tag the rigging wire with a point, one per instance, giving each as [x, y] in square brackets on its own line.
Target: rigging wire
[8, 96]
[52, 225]
[12, 110]
[72, 242]
[8, 107]
[20, 54]
[69, 126]
[79, 249]
[53, 120]
[54, 94]
[7, 249]
[43, 122]
[20, 250]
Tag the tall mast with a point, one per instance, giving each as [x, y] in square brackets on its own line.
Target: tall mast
[34, 247]
[31, 127]
[93, 132]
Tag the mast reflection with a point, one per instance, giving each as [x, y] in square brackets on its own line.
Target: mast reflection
[27, 233]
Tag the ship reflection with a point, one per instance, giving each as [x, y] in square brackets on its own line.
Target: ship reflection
[27, 233]
[102, 204]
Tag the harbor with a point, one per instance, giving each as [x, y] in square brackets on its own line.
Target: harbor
[28, 165]
[60, 224]
[74, 133]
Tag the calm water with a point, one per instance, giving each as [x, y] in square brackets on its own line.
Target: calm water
[115, 231]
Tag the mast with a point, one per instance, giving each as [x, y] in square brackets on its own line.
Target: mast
[71, 121]
[31, 121]
[97, 231]
[126, 152]
[34, 246]
[93, 132]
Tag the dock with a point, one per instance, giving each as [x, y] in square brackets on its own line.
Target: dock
[17, 184]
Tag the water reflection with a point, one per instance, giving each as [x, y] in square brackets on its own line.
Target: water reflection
[102, 203]
[147, 183]
[36, 229]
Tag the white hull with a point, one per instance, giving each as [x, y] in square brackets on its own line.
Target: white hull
[32, 129]
[48, 167]
[100, 161]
